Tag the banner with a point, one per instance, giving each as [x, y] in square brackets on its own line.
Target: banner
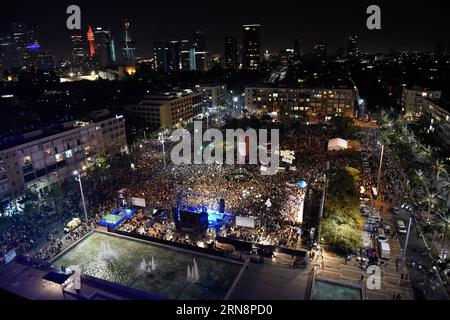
[246, 222]
[138, 202]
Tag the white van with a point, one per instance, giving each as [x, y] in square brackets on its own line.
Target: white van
[385, 250]
[381, 235]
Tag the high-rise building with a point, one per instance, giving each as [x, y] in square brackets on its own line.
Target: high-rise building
[104, 46]
[173, 56]
[77, 50]
[231, 51]
[91, 40]
[47, 61]
[200, 59]
[8, 55]
[298, 47]
[27, 47]
[199, 42]
[128, 49]
[286, 56]
[160, 49]
[320, 50]
[352, 46]
[252, 46]
[185, 62]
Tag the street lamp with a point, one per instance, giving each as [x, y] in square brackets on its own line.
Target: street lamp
[379, 168]
[78, 178]
[161, 138]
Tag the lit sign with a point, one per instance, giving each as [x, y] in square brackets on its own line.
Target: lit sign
[34, 47]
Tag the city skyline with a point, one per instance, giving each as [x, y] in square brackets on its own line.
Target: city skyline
[310, 23]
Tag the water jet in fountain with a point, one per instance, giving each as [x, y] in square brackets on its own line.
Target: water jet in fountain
[106, 252]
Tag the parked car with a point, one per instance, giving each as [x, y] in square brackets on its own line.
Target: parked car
[381, 235]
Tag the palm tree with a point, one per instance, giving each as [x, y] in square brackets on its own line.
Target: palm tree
[420, 178]
[442, 220]
[431, 200]
[439, 168]
[425, 154]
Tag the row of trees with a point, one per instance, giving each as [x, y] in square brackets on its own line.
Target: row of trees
[342, 223]
[427, 185]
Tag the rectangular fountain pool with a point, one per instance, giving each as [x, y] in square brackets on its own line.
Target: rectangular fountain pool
[330, 290]
[161, 270]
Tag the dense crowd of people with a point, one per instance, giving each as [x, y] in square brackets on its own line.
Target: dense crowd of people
[273, 200]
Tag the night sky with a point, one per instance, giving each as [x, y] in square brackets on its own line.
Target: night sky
[416, 25]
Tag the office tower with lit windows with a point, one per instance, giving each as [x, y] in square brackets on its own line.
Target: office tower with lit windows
[352, 46]
[159, 56]
[104, 46]
[8, 57]
[185, 63]
[77, 49]
[231, 51]
[27, 47]
[252, 46]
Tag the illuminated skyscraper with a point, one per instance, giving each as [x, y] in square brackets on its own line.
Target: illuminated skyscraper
[200, 62]
[91, 40]
[128, 49]
[77, 49]
[104, 46]
[27, 47]
[231, 51]
[352, 46]
[252, 46]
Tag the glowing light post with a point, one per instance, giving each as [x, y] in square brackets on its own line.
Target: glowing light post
[403, 255]
[161, 138]
[379, 169]
[78, 178]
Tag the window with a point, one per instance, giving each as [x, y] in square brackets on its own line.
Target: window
[59, 157]
[68, 154]
[48, 152]
[27, 159]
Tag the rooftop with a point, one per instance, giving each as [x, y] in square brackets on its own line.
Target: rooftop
[18, 138]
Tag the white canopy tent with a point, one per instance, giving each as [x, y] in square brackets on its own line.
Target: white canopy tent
[337, 145]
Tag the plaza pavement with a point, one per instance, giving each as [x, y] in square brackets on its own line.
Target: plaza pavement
[334, 267]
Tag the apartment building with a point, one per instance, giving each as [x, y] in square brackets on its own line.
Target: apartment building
[38, 159]
[436, 121]
[213, 95]
[414, 100]
[169, 109]
[319, 104]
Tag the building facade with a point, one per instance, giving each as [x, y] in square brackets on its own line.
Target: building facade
[317, 104]
[231, 52]
[213, 96]
[435, 121]
[252, 46]
[169, 109]
[414, 100]
[39, 159]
